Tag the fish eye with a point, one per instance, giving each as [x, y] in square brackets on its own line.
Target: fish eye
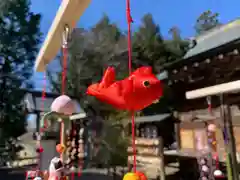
[146, 83]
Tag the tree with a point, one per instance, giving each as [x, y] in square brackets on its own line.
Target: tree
[206, 21]
[150, 48]
[148, 45]
[19, 39]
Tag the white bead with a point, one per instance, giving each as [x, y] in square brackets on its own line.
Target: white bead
[205, 168]
[217, 173]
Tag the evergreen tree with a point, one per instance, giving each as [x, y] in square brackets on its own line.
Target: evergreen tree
[19, 40]
[150, 48]
[206, 21]
[148, 44]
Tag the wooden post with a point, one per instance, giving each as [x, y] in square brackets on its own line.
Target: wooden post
[38, 122]
[161, 156]
[64, 125]
[177, 130]
[232, 143]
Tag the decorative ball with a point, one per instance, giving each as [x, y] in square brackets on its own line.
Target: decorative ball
[39, 149]
[205, 169]
[141, 175]
[217, 173]
[215, 156]
[131, 176]
[60, 148]
[214, 143]
[64, 105]
[80, 155]
[212, 128]
[202, 161]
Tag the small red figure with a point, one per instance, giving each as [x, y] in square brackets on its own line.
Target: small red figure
[39, 149]
[141, 175]
[133, 93]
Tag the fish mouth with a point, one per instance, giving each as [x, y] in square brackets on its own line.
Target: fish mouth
[155, 101]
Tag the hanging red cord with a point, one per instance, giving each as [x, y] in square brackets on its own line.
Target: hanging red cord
[64, 75]
[214, 141]
[130, 21]
[65, 56]
[43, 100]
[39, 148]
[64, 63]
[209, 105]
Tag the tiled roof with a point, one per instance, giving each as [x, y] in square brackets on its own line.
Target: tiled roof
[153, 118]
[216, 37]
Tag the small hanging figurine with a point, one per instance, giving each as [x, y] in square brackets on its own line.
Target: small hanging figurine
[57, 170]
[212, 140]
[34, 175]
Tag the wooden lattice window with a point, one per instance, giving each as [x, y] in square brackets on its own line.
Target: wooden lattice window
[193, 136]
[187, 138]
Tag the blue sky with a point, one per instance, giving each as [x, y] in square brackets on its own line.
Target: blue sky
[166, 13]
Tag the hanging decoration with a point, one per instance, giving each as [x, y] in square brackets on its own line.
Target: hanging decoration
[131, 176]
[212, 141]
[213, 145]
[141, 175]
[134, 93]
[57, 170]
[128, 94]
[39, 149]
[63, 105]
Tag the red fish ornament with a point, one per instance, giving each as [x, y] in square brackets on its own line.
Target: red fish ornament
[133, 93]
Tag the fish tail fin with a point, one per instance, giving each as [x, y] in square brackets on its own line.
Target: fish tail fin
[108, 78]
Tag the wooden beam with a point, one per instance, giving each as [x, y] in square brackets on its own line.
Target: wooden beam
[68, 14]
[214, 90]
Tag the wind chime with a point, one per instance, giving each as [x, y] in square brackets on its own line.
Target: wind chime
[61, 109]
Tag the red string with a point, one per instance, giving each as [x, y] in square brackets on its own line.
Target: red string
[65, 56]
[64, 70]
[64, 73]
[43, 100]
[216, 157]
[38, 146]
[130, 21]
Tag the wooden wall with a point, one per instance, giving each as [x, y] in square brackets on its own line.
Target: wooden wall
[193, 125]
[149, 156]
[236, 130]
[189, 132]
[193, 137]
